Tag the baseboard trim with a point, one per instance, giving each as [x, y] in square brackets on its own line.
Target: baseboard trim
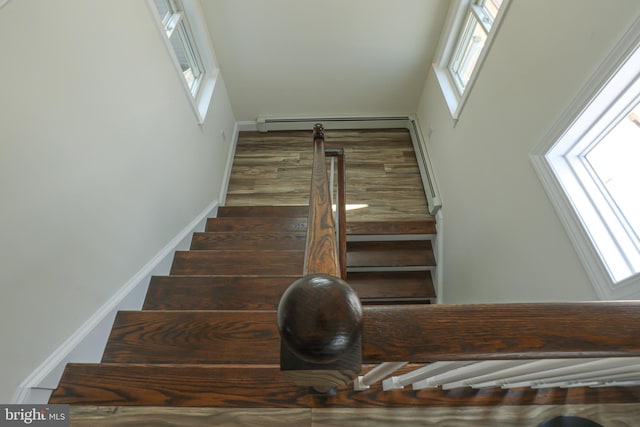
[247, 126]
[227, 171]
[87, 343]
[275, 123]
[438, 252]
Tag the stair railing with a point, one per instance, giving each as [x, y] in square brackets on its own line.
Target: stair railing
[542, 345]
[341, 208]
[326, 335]
[319, 315]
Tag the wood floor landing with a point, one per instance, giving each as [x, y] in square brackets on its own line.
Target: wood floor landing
[619, 415]
[383, 179]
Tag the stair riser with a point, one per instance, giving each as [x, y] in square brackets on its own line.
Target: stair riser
[256, 225]
[263, 211]
[239, 241]
[238, 262]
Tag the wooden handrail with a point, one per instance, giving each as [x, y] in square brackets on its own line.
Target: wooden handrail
[341, 207]
[320, 250]
[501, 331]
[319, 315]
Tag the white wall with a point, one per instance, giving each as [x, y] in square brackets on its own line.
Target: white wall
[101, 165]
[502, 240]
[305, 57]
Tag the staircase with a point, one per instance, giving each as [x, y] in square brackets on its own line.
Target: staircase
[207, 333]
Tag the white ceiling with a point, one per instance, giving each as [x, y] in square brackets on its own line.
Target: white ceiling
[304, 57]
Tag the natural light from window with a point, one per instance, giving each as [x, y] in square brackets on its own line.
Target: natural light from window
[465, 41]
[616, 162]
[472, 39]
[589, 164]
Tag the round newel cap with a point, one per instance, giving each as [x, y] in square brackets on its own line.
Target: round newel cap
[319, 318]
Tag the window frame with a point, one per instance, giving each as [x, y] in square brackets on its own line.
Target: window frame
[459, 13]
[187, 18]
[599, 234]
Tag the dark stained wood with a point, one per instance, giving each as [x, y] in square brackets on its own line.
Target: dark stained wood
[501, 331]
[192, 337]
[320, 252]
[237, 240]
[387, 285]
[436, 332]
[171, 385]
[341, 208]
[154, 416]
[216, 292]
[382, 172]
[266, 386]
[390, 254]
[611, 414]
[256, 225]
[320, 319]
[427, 226]
[263, 293]
[241, 262]
[293, 211]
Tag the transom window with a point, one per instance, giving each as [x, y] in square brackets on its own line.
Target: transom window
[468, 33]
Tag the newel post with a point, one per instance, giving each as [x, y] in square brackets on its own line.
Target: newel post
[320, 324]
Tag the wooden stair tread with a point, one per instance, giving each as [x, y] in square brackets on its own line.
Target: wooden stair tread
[281, 211]
[389, 285]
[267, 387]
[263, 293]
[390, 254]
[244, 262]
[194, 337]
[216, 292]
[253, 240]
[427, 226]
[257, 224]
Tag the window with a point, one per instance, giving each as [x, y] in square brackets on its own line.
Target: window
[470, 27]
[588, 164]
[186, 37]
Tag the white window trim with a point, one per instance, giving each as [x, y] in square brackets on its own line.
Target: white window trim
[454, 24]
[201, 101]
[552, 162]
